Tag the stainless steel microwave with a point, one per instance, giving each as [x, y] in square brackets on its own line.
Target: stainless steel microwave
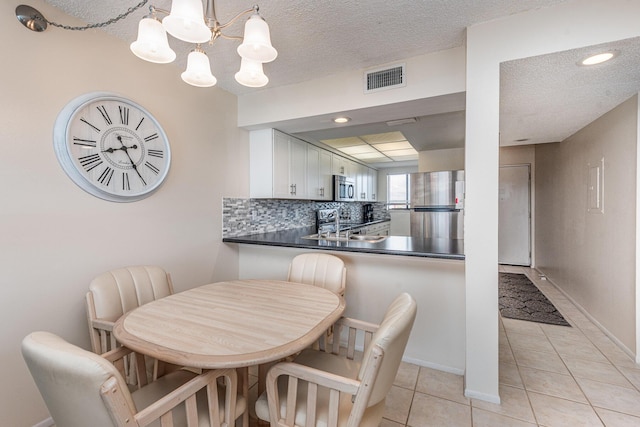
[344, 189]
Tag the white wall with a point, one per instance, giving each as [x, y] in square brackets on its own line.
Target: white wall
[567, 26]
[441, 160]
[54, 237]
[373, 281]
[430, 75]
[591, 256]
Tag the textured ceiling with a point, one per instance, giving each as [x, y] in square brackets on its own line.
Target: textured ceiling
[543, 99]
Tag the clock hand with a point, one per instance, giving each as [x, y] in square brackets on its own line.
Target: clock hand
[124, 148]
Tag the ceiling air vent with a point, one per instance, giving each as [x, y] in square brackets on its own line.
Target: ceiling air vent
[384, 78]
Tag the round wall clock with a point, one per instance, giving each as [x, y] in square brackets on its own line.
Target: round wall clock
[111, 147]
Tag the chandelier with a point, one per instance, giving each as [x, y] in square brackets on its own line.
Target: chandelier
[190, 22]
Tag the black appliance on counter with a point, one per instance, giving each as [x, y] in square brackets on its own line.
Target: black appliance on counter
[367, 212]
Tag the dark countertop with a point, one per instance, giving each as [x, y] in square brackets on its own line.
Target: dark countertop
[393, 245]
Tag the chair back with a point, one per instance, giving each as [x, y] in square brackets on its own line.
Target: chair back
[117, 292]
[391, 338]
[69, 379]
[318, 269]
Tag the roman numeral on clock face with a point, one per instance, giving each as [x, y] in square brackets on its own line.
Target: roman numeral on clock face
[105, 176]
[153, 168]
[124, 115]
[105, 115]
[151, 137]
[83, 120]
[125, 181]
[156, 153]
[91, 161]
[84, 142]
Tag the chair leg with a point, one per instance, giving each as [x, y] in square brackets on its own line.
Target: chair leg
[243, 378]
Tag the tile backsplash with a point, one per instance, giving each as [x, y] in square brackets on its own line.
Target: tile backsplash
[241, 217]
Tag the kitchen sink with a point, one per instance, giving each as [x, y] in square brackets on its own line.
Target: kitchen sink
[343, 238]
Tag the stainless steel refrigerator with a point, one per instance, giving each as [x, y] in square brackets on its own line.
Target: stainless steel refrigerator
[437, 202]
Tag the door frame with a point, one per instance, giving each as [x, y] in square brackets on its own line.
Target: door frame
[530, 197]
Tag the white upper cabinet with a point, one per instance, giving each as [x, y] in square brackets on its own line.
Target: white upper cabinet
[278, 165]
[319, 173]
[285, 167]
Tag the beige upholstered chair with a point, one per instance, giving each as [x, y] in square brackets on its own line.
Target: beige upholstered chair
[82, 389]
[116, 292]
[318, 269]
[333, 388]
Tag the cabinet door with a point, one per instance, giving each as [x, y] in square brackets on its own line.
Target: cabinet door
[338, 165]
[281, 159]
[298, 168]
[362, 179]
[325, 175]
[372, 185]
[313, 172]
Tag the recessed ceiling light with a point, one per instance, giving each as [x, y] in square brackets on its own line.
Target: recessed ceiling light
[341, 119]
[598, 59]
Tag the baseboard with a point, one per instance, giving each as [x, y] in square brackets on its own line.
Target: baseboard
[604, 330]
[491, 398]
[435, 366]
[45, 423]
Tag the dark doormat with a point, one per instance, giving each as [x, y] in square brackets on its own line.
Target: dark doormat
[519, 298]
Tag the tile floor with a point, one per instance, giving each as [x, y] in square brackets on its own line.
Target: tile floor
[549, 376]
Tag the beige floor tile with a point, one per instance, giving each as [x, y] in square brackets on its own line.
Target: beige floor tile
[513, 403]
[613, 397]
[441, 384]
[540, 360]
[553, 384]
[505, 355]
[407, 375]
[552, 411]
[562, 331]
[398, 404]
[616, 419]
[389, 423]
[578, 349]
[509, 375]
[632, 374]
[482, 418]
[529, 342]
[603, 372]
[522, 327]
[431, 411]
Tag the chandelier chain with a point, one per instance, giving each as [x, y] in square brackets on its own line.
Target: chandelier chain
[100, 24]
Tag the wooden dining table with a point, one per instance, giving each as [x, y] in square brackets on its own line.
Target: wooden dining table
[230, 324]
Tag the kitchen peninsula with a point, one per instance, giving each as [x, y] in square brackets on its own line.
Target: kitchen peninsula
[391, 245]
[262, 234]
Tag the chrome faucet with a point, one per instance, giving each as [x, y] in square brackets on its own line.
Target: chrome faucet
[337, 221]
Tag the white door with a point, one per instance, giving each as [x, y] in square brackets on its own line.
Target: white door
[514, 220]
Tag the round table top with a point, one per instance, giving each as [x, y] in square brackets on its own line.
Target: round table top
[231, 324]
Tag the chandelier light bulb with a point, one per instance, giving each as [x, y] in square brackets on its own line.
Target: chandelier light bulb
[251, 74]
[186, 21]
[152, 44]
[256, 44]
[198, 72]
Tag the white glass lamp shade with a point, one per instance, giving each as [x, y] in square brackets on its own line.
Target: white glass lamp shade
[152, 44]
[186, 21]
[198, 72]
[251, 74]
[256, 44]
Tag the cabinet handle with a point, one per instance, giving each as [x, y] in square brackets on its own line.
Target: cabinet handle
[292, 190]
